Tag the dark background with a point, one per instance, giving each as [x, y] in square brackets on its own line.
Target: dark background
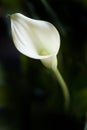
[30, 96]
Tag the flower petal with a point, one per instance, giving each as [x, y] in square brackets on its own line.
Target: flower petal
[34, 38]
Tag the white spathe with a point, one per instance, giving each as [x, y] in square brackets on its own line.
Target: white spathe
[35, 38]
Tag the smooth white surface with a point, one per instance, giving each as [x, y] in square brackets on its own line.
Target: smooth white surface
[35, 38]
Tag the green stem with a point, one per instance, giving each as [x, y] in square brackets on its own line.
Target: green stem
[64, 88]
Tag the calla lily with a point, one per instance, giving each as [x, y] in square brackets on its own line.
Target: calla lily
[36, 39]
[39, 40]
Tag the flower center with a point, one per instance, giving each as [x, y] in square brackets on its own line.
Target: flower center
[44, 53]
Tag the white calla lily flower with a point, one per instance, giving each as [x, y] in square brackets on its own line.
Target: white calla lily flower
[36, 39]
[39, 40]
